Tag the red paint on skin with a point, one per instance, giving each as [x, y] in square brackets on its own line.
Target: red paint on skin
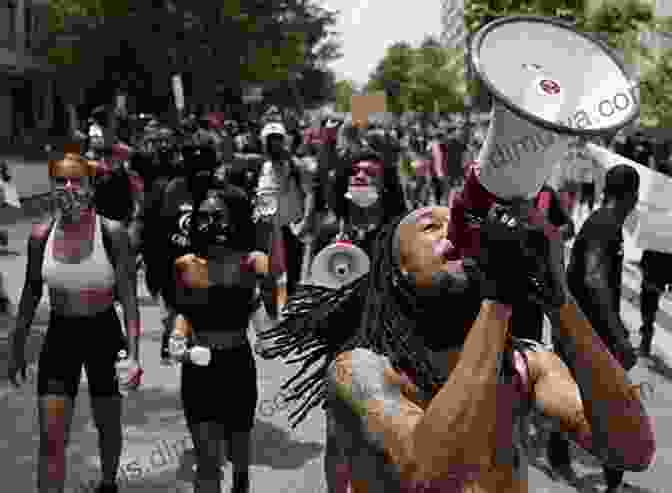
[343, 478]
[97, 296]
[278, 257]
[247, 264]
[56, 448]
[133, 328]
[40, 231]
[369, 168]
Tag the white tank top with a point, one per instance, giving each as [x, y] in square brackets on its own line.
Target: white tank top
[94, 272]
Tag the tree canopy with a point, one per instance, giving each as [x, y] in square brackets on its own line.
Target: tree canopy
[419, 79]
[217, 43]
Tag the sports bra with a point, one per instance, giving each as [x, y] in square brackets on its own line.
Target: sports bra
[94, 272]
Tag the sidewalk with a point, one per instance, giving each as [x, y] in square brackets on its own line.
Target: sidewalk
[31, 179]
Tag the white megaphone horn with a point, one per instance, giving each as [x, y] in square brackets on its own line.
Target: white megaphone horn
[549, 82]
[338, 264]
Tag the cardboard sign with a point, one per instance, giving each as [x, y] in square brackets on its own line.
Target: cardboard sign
[651, 223]
[368, 104]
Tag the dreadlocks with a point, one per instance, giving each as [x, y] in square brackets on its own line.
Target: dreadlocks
[320, 323]
[380, 312]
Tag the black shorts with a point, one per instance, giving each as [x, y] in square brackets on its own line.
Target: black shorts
[223, 392]
[71, 342]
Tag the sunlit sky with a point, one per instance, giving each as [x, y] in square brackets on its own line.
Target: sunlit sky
[368, 27]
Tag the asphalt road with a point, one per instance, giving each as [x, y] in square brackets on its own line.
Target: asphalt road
[157, 454]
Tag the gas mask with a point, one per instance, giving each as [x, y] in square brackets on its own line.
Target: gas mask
[211, 226]
[72, 200]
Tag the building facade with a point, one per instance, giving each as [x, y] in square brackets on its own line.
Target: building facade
[26, 82]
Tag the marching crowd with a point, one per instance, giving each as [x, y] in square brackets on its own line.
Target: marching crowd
[439, 344]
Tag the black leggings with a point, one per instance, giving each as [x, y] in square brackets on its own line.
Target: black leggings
[294, 258]
[71, 342]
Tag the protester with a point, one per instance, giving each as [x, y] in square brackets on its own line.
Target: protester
[84, 259]
[222, 268]
[595, 271]
[385, 393]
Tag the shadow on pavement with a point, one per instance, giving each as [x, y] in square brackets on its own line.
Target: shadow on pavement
[271, 446]
[140, 408]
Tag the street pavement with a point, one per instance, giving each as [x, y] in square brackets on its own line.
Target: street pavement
[158, 455]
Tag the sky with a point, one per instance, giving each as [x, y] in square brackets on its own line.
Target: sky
[368, 27]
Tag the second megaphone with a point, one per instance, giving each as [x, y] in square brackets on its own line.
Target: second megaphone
[338, 264]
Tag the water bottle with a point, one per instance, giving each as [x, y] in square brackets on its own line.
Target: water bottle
[123, 368]
[200, 355]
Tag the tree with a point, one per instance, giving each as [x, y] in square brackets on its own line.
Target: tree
[417, 79]
[437, 79]
[214, 43]
[344, 91]
[656, 92]
[392, 75]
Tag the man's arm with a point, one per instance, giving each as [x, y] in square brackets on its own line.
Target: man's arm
[596, 281]
[455, 436]
[592, 396]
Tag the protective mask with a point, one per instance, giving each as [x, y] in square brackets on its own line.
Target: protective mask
[363, 196]
[72, 202]
[213, 229]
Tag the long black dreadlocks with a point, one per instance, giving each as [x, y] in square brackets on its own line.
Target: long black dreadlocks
[320, 323]
[377, 312]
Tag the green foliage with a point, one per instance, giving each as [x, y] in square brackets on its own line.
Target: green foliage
[229, 42]
[416, 79]
[656, 92]
[344, 91]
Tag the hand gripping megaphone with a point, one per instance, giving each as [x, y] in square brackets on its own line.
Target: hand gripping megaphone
[549, 82]
[338, 264]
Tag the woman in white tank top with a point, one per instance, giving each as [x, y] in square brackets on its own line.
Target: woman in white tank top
[84, 259]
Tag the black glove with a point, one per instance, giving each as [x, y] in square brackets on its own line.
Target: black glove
[499, 268]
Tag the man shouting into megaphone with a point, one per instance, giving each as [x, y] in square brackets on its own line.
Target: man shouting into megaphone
[425, 386]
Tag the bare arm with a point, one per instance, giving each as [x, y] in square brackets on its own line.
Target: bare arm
[126, 282]
[267, 282]
[33, 285]
[455, 435]
[602, 408]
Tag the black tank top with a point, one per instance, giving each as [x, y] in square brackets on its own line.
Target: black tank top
[227, 305]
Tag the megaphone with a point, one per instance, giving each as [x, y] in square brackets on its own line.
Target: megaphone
[549, 82]
[338, 264]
